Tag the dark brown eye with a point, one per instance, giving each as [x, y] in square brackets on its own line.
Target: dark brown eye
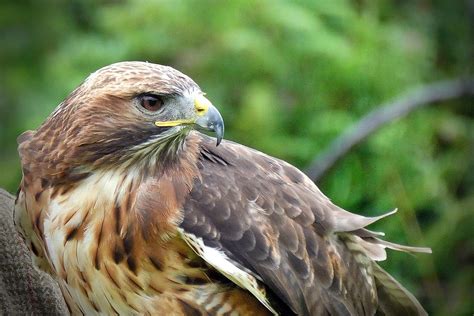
[151, 102]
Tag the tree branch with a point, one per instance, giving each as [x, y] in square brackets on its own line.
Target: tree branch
[383, 114]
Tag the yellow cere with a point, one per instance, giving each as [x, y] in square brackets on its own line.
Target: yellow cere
[201, 104]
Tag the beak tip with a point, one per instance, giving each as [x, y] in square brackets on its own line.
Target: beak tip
[212, 121]
[219, 129]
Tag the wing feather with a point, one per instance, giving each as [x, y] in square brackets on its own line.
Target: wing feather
[268, 217]
[230, 269]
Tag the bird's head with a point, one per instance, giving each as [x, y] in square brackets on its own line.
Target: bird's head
[126, 112]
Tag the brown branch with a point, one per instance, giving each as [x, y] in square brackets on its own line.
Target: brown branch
[383, 114]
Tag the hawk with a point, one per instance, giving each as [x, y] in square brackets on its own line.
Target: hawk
[134, 211]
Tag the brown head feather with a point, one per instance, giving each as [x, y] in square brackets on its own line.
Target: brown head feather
[99, 123]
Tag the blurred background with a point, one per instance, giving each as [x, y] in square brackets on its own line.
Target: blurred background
[288, 77]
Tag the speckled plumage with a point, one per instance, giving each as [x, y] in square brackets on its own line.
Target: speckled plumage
[132, 218]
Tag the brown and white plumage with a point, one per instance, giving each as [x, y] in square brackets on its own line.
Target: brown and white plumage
[135, 212]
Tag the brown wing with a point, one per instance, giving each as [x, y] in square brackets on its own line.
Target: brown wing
[265, 215]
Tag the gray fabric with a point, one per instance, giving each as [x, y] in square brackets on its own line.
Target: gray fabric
[23, 289]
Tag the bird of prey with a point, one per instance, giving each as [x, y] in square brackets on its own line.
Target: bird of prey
[134, 211]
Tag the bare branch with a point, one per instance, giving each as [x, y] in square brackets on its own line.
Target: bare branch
[383, 114]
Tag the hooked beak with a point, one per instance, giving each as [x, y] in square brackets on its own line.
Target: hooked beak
[209, 117]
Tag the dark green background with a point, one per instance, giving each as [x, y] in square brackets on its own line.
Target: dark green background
[288, 78]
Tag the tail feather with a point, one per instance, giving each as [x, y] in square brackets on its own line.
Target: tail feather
[393, 246]
[375, 247]
[345, 221]
[393, 298]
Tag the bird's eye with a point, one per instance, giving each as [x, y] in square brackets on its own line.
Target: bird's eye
[151, 102]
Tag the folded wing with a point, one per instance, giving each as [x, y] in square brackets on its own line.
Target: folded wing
[285, 238]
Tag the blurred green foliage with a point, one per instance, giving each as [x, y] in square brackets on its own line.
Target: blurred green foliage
[288, 76]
